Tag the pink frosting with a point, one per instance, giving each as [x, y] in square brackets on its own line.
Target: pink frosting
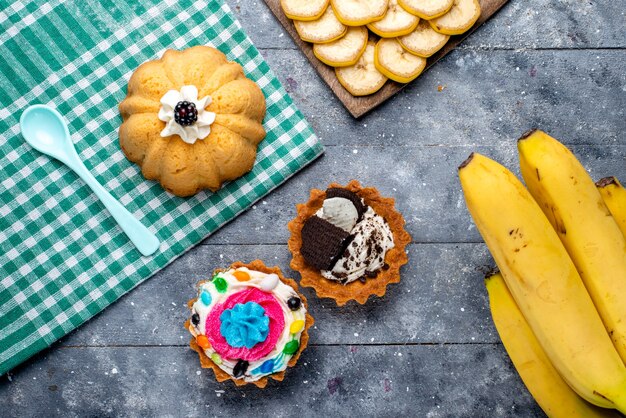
[272, 309]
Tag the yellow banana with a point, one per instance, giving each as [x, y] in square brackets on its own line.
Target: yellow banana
[572, 203]
[544, 282]
[614, 196]
[548, 388]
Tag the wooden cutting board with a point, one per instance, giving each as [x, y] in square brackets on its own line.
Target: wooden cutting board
[358, 106]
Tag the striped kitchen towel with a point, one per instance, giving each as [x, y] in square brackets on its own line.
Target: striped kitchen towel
[63, 258]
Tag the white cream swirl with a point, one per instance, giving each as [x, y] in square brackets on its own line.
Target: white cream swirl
[199, 129]
[263, 281]
[365, 255]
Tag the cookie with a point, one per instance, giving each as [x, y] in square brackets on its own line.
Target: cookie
[347, 194]
[322, 242]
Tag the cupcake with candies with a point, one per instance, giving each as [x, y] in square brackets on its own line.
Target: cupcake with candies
[249, 323]
[348, 242]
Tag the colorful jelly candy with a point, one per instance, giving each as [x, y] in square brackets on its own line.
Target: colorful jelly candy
[240, 368]
[269, 282]
[241, 275]
[206, 298]
[267, 366]
[220, 284]
[296, 326]
[294, 303]
[291, 347]
[203, 342]
[216, 358]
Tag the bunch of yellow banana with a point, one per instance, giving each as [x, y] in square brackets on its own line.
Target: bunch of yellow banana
[563, 259]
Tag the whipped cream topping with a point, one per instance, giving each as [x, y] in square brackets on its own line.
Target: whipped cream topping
[365, 255]
[340, 212]
[198, 130]
[213, 293]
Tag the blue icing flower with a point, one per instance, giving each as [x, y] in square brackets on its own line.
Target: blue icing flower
[244, 325]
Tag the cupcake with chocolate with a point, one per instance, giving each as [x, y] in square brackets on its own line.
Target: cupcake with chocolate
[249, 323]
[348, 242]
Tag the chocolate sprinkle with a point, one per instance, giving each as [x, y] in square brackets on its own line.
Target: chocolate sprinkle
[323, 243]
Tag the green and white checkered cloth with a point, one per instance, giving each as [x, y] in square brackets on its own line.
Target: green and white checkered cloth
[63, 258]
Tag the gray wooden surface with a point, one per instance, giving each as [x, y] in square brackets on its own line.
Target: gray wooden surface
[429, 347]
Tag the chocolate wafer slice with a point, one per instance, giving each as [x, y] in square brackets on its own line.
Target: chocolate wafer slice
[347, 194]
[322, 243]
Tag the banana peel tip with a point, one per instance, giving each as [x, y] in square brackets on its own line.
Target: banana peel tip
[492, 272]
[607, 181]
[467, 161]
[527, 134]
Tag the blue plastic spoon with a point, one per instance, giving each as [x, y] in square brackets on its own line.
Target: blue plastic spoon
[45, 130]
